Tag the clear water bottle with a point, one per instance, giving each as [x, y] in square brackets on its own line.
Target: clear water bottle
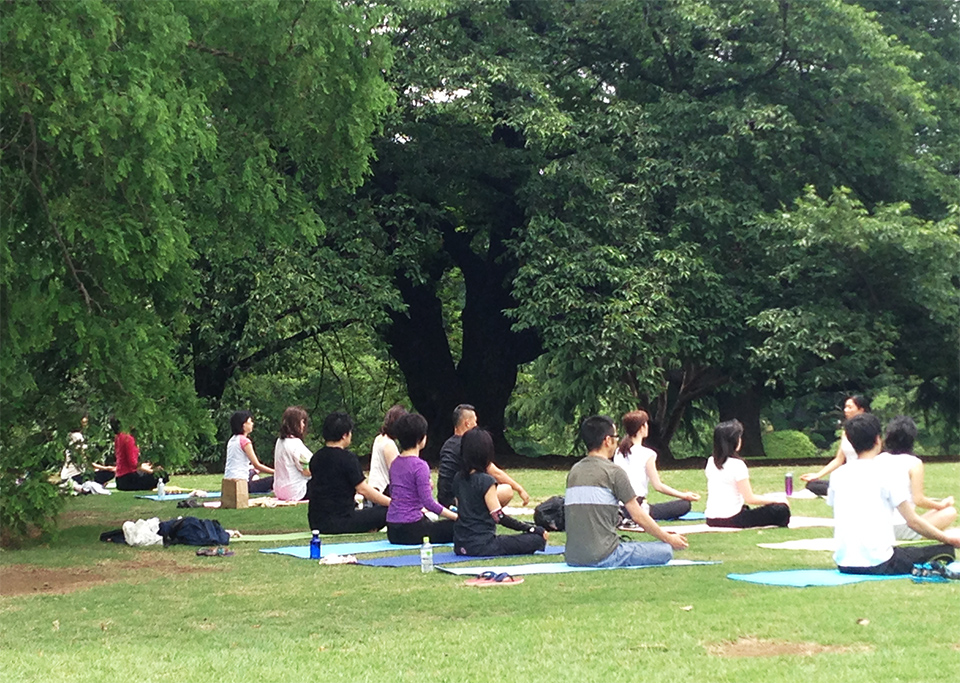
[315, 545]
[788, 484]
[426, 556]
[161, 489]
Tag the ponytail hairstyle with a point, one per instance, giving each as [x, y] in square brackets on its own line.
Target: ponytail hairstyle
[290, 423]
[390, 419]
[633, 422]
[476, 451]
[726, 436]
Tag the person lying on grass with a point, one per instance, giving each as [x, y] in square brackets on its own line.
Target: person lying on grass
[595, 490]
[729, 492]
[410, 489]
[864, 494]
[898, 440]
[335, 478]
[475, 531]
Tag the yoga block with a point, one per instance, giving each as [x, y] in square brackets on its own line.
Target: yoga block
[234, 494]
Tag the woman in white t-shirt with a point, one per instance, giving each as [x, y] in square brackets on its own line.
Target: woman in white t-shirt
[242, 461]
[854, 405]
[728, 486]
[640, 464]
[291, 457]
[384, 451]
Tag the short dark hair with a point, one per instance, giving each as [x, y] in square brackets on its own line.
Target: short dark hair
[336, 425]
[862, 431]
[861, 402]
[476, 451]
[293, 424]
[409, 430]
[115, 424]
[237, 420]
[726, 436]
[459, 411]
[900, 434]
[595, 429]
[390, 419]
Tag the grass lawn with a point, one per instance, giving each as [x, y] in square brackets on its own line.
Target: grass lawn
[114, 613]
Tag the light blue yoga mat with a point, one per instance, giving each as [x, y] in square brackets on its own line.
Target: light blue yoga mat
[802, 578]
[303, 551]
[692, 517]
[555, 568]
[179, 496]
[443, 558]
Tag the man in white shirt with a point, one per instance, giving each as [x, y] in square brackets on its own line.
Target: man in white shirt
[863, 494]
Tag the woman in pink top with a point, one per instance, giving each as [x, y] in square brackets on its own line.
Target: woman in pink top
[242, 461]
[132, 475]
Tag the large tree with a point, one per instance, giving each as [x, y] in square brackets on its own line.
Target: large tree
[136, 137]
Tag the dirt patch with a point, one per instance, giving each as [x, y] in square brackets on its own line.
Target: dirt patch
[755, 647]
[29, 579]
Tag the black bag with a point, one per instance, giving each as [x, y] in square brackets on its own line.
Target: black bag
[193, 531]
[549, 514]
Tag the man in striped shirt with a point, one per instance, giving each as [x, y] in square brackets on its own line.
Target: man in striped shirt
[595, 489]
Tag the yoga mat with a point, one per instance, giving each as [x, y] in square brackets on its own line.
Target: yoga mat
[179, 496]
[692, 517]
[303, 551]
[802, 544]
[795, 523]
[266, 538]
[555, 568]
[443, 558]
[802, 578]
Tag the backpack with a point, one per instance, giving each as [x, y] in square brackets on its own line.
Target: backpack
[549, 514]
[193, 531]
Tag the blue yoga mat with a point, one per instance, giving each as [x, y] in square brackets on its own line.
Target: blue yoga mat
[556, 568]
[801, 578]
[692, 517]
[179, 496]
[303, 551]
[442, 558]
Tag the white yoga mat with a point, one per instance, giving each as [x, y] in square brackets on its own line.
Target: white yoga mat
[554, 568]
[795, 523]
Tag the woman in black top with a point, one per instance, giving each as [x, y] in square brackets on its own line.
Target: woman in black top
[479, 511]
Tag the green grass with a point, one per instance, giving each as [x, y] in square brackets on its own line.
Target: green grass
[260, 618]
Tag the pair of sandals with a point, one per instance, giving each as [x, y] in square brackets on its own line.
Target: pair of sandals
[219, 551]
[490, 578]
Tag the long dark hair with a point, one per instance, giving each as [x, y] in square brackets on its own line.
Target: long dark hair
[476, 451]
[726, 436]
[290, 423]
[632, 423]
[238, 419]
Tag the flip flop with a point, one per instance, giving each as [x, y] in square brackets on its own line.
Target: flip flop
[219, 551]
[493, 579]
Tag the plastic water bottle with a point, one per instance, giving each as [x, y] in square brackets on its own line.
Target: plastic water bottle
[315, 545]
[161, 489]
[788, 483]
[426, 556]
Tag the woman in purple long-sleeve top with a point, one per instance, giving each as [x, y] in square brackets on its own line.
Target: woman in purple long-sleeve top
[410, 490]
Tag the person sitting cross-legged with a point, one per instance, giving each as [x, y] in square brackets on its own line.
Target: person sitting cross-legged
[335, 478]
[863, 494]
[595, 489]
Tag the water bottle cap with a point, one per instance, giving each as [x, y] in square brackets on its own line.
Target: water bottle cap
[315, 532]
[426, 539]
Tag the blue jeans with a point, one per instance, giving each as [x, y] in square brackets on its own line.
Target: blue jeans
[634, 554]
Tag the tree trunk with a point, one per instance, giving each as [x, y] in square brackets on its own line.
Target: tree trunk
[744, 405]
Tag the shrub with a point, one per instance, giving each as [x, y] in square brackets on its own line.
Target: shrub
[788, 445]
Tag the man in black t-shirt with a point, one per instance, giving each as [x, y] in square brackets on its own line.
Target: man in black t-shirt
[335, 477]
[465, 419]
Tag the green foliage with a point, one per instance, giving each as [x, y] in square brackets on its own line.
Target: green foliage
[788, 444]
[135, 136]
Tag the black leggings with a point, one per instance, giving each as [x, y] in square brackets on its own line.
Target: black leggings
[818, 486]
[512, 544]
[137, 481]
[413, 533]
[353, 522]
[903, 559]
[672, 509]
[775, 514]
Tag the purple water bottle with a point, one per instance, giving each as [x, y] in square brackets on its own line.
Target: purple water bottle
[788, 483]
